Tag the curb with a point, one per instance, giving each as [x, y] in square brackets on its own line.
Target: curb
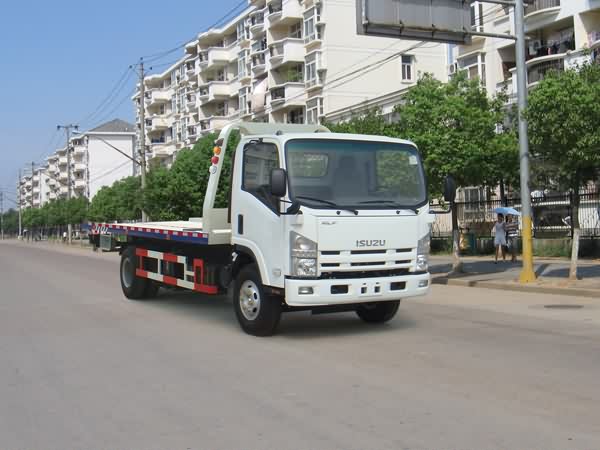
[573, 292]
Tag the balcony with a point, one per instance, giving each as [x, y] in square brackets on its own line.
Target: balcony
[63, 190]
[314, 83]
[202, 61]
[79, 150]
[157, 96]
[190, 68]
[157, 123]
[51, 182]
[79, 167]
[541, 7]
[63, 176]
[538, 68]
[36, 191]
[214, 91]
[219, 56]
[284, 13]
[51, 196]
[286, 50]
[257, 22]
[288, 94]
[259, 63]
[162, 150]
[62, 161]
[79, 184]
[212, 124]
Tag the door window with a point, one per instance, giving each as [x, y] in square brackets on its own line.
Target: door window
[259, 160]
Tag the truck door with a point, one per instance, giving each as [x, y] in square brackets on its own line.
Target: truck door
[255, 219]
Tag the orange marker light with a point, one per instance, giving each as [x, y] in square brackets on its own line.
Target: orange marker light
[215, 159]
[217, 150]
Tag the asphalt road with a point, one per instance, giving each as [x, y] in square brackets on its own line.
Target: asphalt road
[81, 367]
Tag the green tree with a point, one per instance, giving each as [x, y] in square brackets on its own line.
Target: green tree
[563, 114]
[455, 125]
[178, 193]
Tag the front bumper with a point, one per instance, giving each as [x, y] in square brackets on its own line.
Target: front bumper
[357, 290]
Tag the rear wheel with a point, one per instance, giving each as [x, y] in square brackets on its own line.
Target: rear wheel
[133, 286]
[379, 312]
[258, 314]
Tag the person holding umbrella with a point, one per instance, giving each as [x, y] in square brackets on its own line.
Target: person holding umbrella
[499, 238]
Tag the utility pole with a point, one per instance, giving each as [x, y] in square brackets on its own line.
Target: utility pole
[527, 274]
[142, 149]
[32, 176]
[20, 212]
[68, 129]
[1, 215]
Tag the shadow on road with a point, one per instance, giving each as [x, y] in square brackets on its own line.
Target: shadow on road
[293, 324]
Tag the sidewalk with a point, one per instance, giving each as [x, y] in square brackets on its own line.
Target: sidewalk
[552, 275]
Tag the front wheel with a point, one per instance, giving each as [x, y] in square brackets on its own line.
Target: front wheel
[133, 286]
[258, 314]
[380, 312]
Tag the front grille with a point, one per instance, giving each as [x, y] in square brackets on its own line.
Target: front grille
[358, 261]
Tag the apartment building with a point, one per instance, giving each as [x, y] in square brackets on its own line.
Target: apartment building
[561, 34]
[282, 61]
[95, 162]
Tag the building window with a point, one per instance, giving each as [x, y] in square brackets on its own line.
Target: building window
[242, 64]
[296, 31]
[314, 110]
[244, 100]
[407, 68]
[221, 109]
[477, 16]
[474, 66]
[309, 29]
[296, 116]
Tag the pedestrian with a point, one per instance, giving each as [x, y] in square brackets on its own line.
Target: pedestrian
[499, 238]
[64, 236]
[512, 231]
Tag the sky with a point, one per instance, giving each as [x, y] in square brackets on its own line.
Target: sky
[60, 59]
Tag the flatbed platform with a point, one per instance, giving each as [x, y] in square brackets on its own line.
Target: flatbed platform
[180, 231]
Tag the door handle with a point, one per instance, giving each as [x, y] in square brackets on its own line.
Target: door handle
[240, 224]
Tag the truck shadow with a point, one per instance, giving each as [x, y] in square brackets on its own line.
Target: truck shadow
[304, 325]
[293, 324]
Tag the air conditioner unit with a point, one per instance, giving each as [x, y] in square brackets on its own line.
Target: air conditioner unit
[453, 68]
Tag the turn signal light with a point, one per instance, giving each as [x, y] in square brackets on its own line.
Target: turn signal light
[217, 150]
[214, 160]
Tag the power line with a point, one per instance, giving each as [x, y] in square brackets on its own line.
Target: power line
[159, 55]
[110, 98]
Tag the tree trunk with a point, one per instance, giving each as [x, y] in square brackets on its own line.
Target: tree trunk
[503, 194]
[575, 241]
[457, 263]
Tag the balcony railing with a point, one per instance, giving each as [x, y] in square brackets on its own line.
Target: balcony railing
[537, 72]
[538, 5]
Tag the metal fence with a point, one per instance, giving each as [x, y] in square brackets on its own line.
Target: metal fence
[552, 215]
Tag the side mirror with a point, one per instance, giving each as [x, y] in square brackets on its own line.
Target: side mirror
[449, 189]
[278, 183]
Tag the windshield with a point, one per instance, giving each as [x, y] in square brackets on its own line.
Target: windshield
[355, 174]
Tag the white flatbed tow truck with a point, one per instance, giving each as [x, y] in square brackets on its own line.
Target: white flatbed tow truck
[316, 221]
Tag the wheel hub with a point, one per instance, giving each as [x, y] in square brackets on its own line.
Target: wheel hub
[249, 300]
[126, 273]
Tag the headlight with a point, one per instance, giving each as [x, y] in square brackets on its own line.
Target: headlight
[303, 256]
[423, 248]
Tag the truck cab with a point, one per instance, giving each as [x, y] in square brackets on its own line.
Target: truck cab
[330, 221]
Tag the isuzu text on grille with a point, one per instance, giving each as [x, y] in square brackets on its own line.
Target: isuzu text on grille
[370, 243]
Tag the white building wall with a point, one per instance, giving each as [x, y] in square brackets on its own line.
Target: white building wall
[105, 164]
[344, 51]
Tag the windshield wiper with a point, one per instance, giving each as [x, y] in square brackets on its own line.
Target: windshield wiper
[390, 202]
[327, 202]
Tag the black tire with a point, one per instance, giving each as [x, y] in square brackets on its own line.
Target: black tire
[258, 314]
[133, 287]
[380, 312]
